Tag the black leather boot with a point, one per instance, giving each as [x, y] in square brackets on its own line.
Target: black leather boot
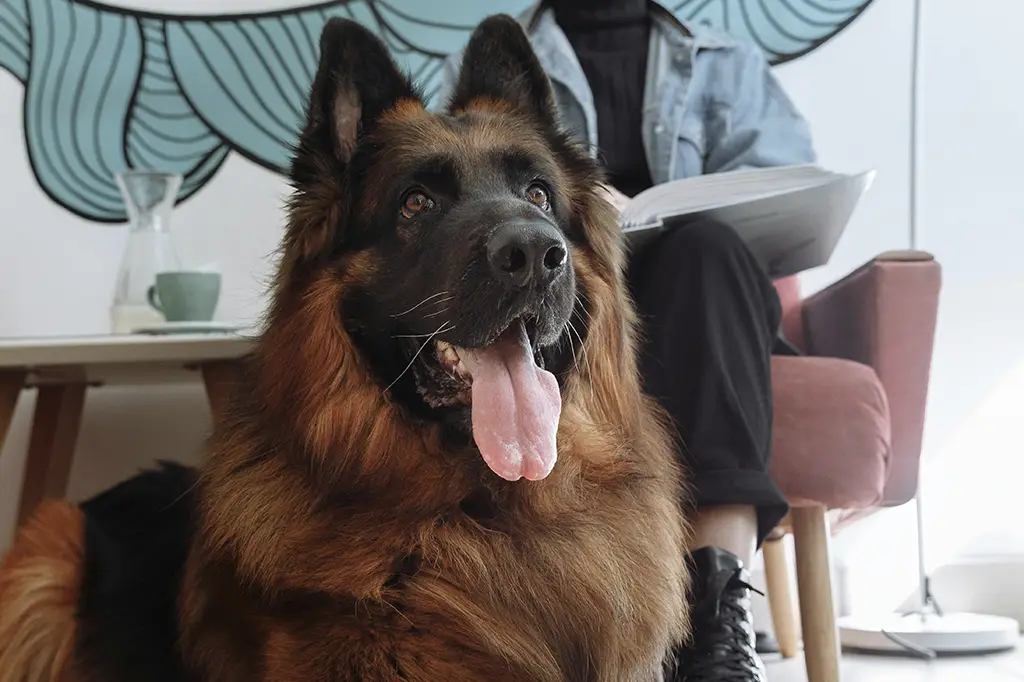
[721, 648]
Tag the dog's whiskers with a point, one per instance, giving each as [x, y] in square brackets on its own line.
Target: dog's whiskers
[439, 312]
[583, 307]
[586, 358]
[439, 330]
[420, 336]
[572, 349]
[583, 346]
[428, 298]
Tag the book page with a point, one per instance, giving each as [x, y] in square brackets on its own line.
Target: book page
[705, 192]
[787, 230]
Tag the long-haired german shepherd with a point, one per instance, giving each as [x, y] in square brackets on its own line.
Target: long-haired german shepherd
[438, 465]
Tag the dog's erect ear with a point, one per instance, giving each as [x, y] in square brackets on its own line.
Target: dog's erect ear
[356, 81]
[500, 64]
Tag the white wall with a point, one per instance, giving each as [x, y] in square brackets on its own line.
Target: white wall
[57, 271]
[973, 179]
[973, 139]
[855, 92]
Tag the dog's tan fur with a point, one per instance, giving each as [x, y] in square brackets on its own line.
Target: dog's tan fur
[594, 568]
[39, 584]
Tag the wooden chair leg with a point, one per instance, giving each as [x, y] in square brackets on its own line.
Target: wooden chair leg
[11, 384]
[219, 377]
[780, 597]
[814, 583]
[51, 448]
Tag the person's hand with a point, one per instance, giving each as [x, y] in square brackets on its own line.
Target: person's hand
[615, 197]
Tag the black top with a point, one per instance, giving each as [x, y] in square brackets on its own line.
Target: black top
[610, 38]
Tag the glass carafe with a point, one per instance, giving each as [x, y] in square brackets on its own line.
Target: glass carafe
[149, 197]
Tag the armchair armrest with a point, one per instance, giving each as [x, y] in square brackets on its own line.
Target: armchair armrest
[884, 315]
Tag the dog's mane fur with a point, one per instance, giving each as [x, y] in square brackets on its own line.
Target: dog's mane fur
[314, 461]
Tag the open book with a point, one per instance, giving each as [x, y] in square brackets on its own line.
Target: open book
[791, 217]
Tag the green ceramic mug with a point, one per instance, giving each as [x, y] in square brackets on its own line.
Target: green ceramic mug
[185, 296]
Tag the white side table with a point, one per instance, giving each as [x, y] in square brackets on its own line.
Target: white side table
[62, 368]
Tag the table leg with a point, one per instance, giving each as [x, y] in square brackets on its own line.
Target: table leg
[11, 384]
[51, 448]
[219, 379]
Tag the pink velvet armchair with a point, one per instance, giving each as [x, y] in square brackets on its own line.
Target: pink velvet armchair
[848, 424]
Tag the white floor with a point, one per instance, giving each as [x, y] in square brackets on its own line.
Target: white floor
[997, 668]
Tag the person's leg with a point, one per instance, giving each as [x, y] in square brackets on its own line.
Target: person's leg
[710, 316]
[732, 527]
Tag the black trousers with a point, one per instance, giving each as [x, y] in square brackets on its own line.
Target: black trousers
[711, 318]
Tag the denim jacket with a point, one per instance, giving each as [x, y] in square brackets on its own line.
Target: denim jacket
[711, 102]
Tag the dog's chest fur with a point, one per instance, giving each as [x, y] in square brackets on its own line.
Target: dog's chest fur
[492, 590]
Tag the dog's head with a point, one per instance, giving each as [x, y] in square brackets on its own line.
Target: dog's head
[465, 249]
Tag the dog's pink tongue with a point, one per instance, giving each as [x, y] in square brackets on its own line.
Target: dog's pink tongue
[516, 406]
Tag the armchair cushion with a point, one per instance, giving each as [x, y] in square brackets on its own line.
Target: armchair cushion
[831, 432]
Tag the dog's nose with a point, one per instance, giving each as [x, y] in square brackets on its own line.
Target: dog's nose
[526, 253]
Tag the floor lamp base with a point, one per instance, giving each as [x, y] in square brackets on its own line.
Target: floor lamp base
[929, 634]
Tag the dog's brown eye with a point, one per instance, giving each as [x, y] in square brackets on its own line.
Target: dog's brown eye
[539, 196]
[416, 202]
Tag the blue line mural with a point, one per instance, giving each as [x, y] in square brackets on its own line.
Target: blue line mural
[108, 88]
